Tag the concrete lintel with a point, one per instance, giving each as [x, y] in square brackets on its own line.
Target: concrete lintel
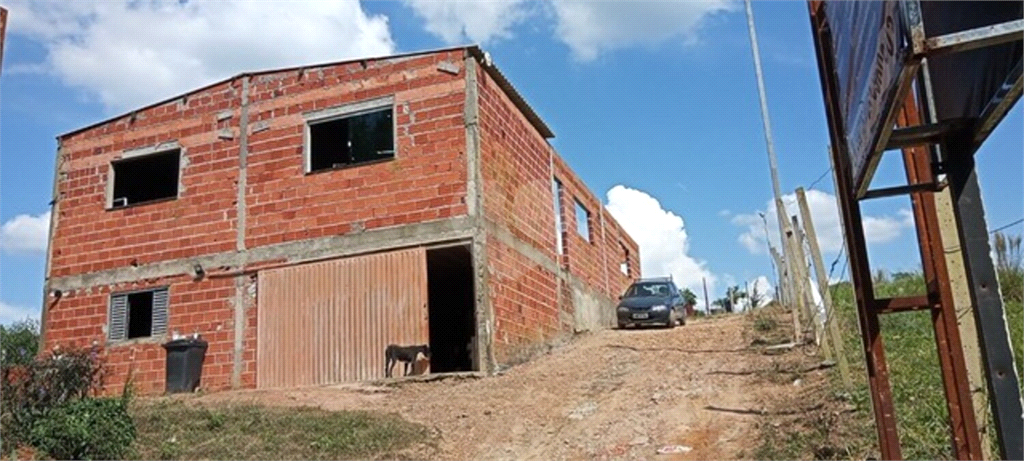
[297, 252]
[344, 110]
[153, 149]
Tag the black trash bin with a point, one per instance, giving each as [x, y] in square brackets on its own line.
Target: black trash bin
[184, 364]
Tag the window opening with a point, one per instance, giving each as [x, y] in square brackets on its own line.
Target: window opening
[146, 179]
[351, 140]
[582, 221]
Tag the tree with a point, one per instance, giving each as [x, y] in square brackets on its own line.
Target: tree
[1008, 252]
[1009, 267]
[756, 297]
[689, 298]
[19, 342]
[732, 295]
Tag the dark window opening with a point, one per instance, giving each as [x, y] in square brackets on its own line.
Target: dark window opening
[351, 140]
[146, 179]
[451, 309]
[140, 315]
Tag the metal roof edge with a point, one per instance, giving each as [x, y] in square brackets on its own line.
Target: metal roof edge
[511, 91]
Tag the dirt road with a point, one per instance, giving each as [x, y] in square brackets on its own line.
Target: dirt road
[607, 395]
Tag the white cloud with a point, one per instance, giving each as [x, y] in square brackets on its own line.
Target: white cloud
[724, 213]
[479, 22]
[763, 286]
[590, 28]
[25, 233]
[827, 223]
[129, 53]
[10, 314]
[662, 238]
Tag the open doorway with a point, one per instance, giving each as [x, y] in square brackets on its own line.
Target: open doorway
[451, 309]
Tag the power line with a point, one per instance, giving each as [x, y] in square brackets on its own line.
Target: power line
[816, 181]
[836, 261]
[845, 263]
[1006, 226]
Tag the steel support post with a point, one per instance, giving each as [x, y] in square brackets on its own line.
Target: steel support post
[963, 427]
[988, 305]
[874, 351]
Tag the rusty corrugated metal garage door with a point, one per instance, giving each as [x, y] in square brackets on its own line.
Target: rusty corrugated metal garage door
[329, 322]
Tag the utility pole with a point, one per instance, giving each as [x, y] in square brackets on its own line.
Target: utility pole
[707, 304]
[832, 333]
[780, 208]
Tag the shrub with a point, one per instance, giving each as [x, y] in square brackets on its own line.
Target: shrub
[763, 323]
[19, 343]
[88, 428]
[29, 393]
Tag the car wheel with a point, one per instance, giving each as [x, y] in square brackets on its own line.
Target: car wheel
[622, 326]
[671, 320]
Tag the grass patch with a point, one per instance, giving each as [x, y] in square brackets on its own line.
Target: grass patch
[922, 417]
[764, 324]
[768, 325]
[181, 430]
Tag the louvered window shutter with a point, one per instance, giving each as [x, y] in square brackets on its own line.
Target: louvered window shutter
[160, 301]
[118, 328]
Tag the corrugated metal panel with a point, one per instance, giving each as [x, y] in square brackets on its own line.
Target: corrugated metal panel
[329, 322]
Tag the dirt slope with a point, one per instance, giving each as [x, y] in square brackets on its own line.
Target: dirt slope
[607, 395]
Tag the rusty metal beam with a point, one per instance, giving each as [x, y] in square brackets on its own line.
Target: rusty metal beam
[966, 443]
[907, 304]
[899, 190]
[995, 34]
[860, 271]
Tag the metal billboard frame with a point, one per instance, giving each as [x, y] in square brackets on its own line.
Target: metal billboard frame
[930, 149]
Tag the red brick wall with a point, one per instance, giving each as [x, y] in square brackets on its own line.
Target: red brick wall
[597, 260]
[524, 298]
[79, 318]
[426, 180]
[516, 169]
[621, 247]
[515, 164]
[89, 238]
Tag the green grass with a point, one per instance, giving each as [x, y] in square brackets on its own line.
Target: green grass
[911, 354]
[180, 430]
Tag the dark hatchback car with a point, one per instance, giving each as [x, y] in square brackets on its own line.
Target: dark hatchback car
[651, 301]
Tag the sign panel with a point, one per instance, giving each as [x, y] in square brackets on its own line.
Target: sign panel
[966, 83]
[870, 51]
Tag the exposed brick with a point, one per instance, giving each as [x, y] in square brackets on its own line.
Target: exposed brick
[426, 181]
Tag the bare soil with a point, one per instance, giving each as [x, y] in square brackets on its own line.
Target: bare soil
[617, 394]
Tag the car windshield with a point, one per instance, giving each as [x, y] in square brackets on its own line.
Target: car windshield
[648, 289]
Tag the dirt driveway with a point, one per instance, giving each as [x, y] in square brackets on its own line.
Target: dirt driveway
[607, 395]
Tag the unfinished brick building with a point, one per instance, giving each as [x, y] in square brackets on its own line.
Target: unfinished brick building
[301, 219]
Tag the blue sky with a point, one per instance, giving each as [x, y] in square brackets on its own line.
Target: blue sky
[658, 98]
